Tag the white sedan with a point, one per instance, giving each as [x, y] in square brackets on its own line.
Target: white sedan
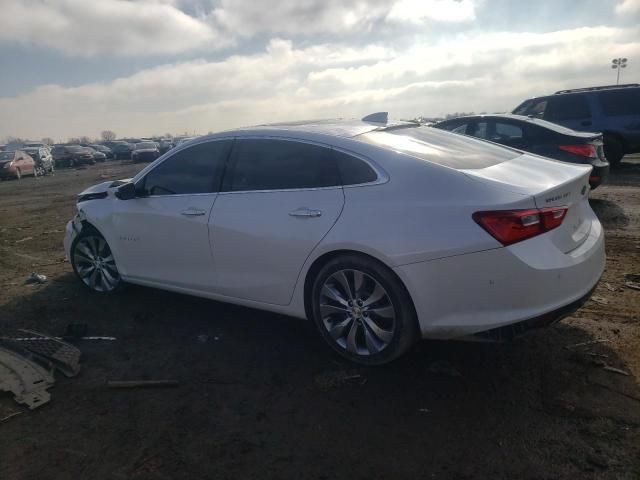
[381, 233]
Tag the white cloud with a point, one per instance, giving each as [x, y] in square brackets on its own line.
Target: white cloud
[150, 27]
[299, 17]
[628, 7]
[114, 27]
[415, 11]
[481, 72]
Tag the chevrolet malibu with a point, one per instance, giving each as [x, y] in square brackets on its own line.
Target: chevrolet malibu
[380, 233]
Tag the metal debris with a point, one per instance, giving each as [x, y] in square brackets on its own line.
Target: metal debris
[61, 355]
[142, 383]
[442, 367]
[36, 278]
[27, 380]
[583, 344]
[633, 285]
[8, 417]
[609, 368]
[329, 380]
[599, 300]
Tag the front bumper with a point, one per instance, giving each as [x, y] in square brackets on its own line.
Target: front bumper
[69, 236]
[466, 294]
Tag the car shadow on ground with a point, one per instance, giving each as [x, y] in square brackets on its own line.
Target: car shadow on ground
[611, 214]
[261, 395]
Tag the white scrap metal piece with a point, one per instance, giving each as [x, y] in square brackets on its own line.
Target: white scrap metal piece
[27, 380]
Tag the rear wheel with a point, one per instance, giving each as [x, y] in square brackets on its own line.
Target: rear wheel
[363, 311]
[613, 150]
[93, 262]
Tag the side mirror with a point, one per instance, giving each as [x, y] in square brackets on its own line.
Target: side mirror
[126, 191]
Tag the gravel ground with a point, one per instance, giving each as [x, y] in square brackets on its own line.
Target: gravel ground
[260, 396]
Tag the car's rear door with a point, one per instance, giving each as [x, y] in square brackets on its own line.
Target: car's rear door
[281, 198]
[162, 235]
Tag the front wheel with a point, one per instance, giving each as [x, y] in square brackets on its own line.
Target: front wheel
[363, 311]
[93, 262]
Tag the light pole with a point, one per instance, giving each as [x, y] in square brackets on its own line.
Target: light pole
[617, 64]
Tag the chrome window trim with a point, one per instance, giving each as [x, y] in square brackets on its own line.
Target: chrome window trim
[380, 173]
[382, 176]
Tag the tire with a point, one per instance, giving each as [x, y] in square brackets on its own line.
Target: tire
[18, 174]
[93, 262]
[363, 311]
[613, 150]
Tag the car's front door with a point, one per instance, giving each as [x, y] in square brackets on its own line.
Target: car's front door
[162, 235]
[281, 198]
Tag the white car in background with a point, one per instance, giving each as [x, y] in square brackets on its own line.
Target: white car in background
[381, 233]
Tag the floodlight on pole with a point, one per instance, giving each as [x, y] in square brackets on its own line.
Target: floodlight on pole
[618, 64]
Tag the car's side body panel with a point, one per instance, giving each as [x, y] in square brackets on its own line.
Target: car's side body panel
[417, 220]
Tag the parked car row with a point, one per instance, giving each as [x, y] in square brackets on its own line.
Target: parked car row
[594, 126]
[47, 157]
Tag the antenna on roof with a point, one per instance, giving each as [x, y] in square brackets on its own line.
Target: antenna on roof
[378, 117]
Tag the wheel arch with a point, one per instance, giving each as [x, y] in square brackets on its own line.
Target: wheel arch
[326, 257]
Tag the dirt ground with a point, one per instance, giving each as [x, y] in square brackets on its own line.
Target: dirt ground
[261, 397]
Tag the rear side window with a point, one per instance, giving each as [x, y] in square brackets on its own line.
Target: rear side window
[620, 102]
[265, 164]
[567, 107]
[508, 131]
[197, 169]
[354, 171]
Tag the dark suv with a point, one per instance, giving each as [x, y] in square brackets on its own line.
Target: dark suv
[613, 110]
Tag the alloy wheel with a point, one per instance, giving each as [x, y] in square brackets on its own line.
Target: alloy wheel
[357, 312]
[95, 264]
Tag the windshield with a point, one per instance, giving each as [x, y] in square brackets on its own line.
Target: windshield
[6, 155]
[146, 145]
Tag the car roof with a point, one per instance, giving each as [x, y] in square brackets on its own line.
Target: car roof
[345, 128]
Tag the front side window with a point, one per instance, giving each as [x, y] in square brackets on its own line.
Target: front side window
[462, 129]
[197, 169]
[265, 164]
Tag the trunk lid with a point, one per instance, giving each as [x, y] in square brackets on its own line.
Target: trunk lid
[551, 184]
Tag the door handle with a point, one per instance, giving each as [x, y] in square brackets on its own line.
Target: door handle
[305, 212]
[193, 212]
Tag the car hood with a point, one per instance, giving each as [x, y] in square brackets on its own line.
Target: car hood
[104, 186]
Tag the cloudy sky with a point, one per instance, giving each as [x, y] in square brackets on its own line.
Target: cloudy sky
[144, 67]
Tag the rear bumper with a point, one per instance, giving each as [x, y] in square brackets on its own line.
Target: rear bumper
[509, 332]
[467, 294]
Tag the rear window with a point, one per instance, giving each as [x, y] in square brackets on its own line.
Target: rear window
[616, 103]
[441, 147]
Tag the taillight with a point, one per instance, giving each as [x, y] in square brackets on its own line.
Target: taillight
[511, 226]
[585, 150]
